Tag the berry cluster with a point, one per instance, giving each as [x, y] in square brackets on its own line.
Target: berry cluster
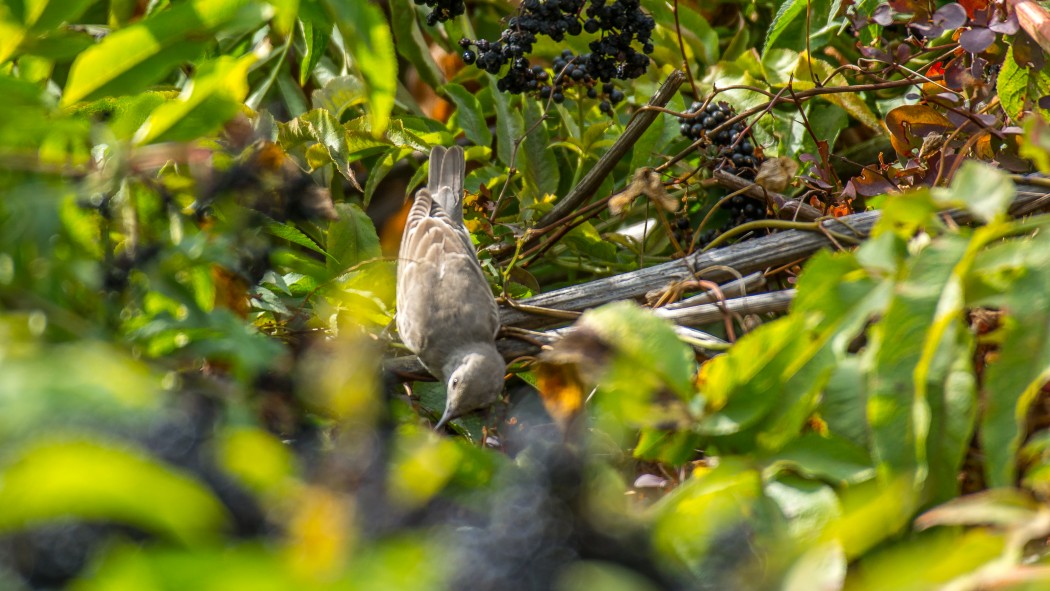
[736, 152]
[443, 10]
[612, 56]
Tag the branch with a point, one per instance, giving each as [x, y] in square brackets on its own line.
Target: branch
[776, 301]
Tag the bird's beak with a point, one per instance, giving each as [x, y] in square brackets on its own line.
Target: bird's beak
[444, 419]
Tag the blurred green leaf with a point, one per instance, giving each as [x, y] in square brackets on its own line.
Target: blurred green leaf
[828, 458]
[1019, 88]
[410, 43]
[211, 99]
[131, 59]
[58, 478]
[981, 189]
[1013, 276]
[644, 343]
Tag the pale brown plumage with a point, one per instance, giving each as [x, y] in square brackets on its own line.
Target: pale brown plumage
[445, 310]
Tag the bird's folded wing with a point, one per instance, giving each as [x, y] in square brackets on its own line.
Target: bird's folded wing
[442, 292]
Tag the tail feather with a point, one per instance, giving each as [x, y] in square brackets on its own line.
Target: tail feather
[447, 169]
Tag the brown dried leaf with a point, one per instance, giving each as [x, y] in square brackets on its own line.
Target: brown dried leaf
[776, 174]
[910, 124]
[646, 182]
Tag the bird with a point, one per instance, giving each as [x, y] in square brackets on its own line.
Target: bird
[446, 313]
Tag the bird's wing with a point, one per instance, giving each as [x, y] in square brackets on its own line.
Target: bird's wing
[443, 297]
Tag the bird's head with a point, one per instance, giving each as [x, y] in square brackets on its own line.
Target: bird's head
[475, 381]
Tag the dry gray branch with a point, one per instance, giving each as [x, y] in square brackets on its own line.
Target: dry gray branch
[745, 257]
[776, 301]
[736, 288]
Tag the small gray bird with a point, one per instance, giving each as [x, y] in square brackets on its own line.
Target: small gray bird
[445, 310]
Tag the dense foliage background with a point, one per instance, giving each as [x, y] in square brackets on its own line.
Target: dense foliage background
[200, 206]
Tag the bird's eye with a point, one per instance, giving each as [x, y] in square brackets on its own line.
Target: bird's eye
[455, 382]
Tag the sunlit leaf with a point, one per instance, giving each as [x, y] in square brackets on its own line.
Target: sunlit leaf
[97, 481]
[212, 98]
[131, 59]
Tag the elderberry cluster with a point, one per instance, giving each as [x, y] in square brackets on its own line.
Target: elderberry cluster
[736, 150]
[619, 23]
[443, 10]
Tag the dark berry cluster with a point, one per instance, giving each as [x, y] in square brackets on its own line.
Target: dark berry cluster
[573, 70]
[619, 23]
[443, 10]
[736, 153]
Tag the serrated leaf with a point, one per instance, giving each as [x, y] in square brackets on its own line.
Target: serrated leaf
[294, 235]
[790, 26]
[336, 141]
[1019, 87]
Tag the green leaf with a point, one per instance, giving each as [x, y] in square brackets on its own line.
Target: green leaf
[411, 44]
[212, 98]
[99, 481]
[829, 458]
[44, 15]
[352, 239]
[289, 232]
[1016, 275]
[509, 124]
[535, 158]
[382, 168]
[740, 387]
[913, 383]
[790, 26]
[984, 191]
[336, 142]
[370, 43]
[699, 37]
[690, 518]
[469, 115]
[131, 59]
[772, 377]
[315, 40]
[645, 342]
[1020, 88]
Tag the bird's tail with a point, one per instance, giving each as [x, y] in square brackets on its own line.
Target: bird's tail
[447, 169]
